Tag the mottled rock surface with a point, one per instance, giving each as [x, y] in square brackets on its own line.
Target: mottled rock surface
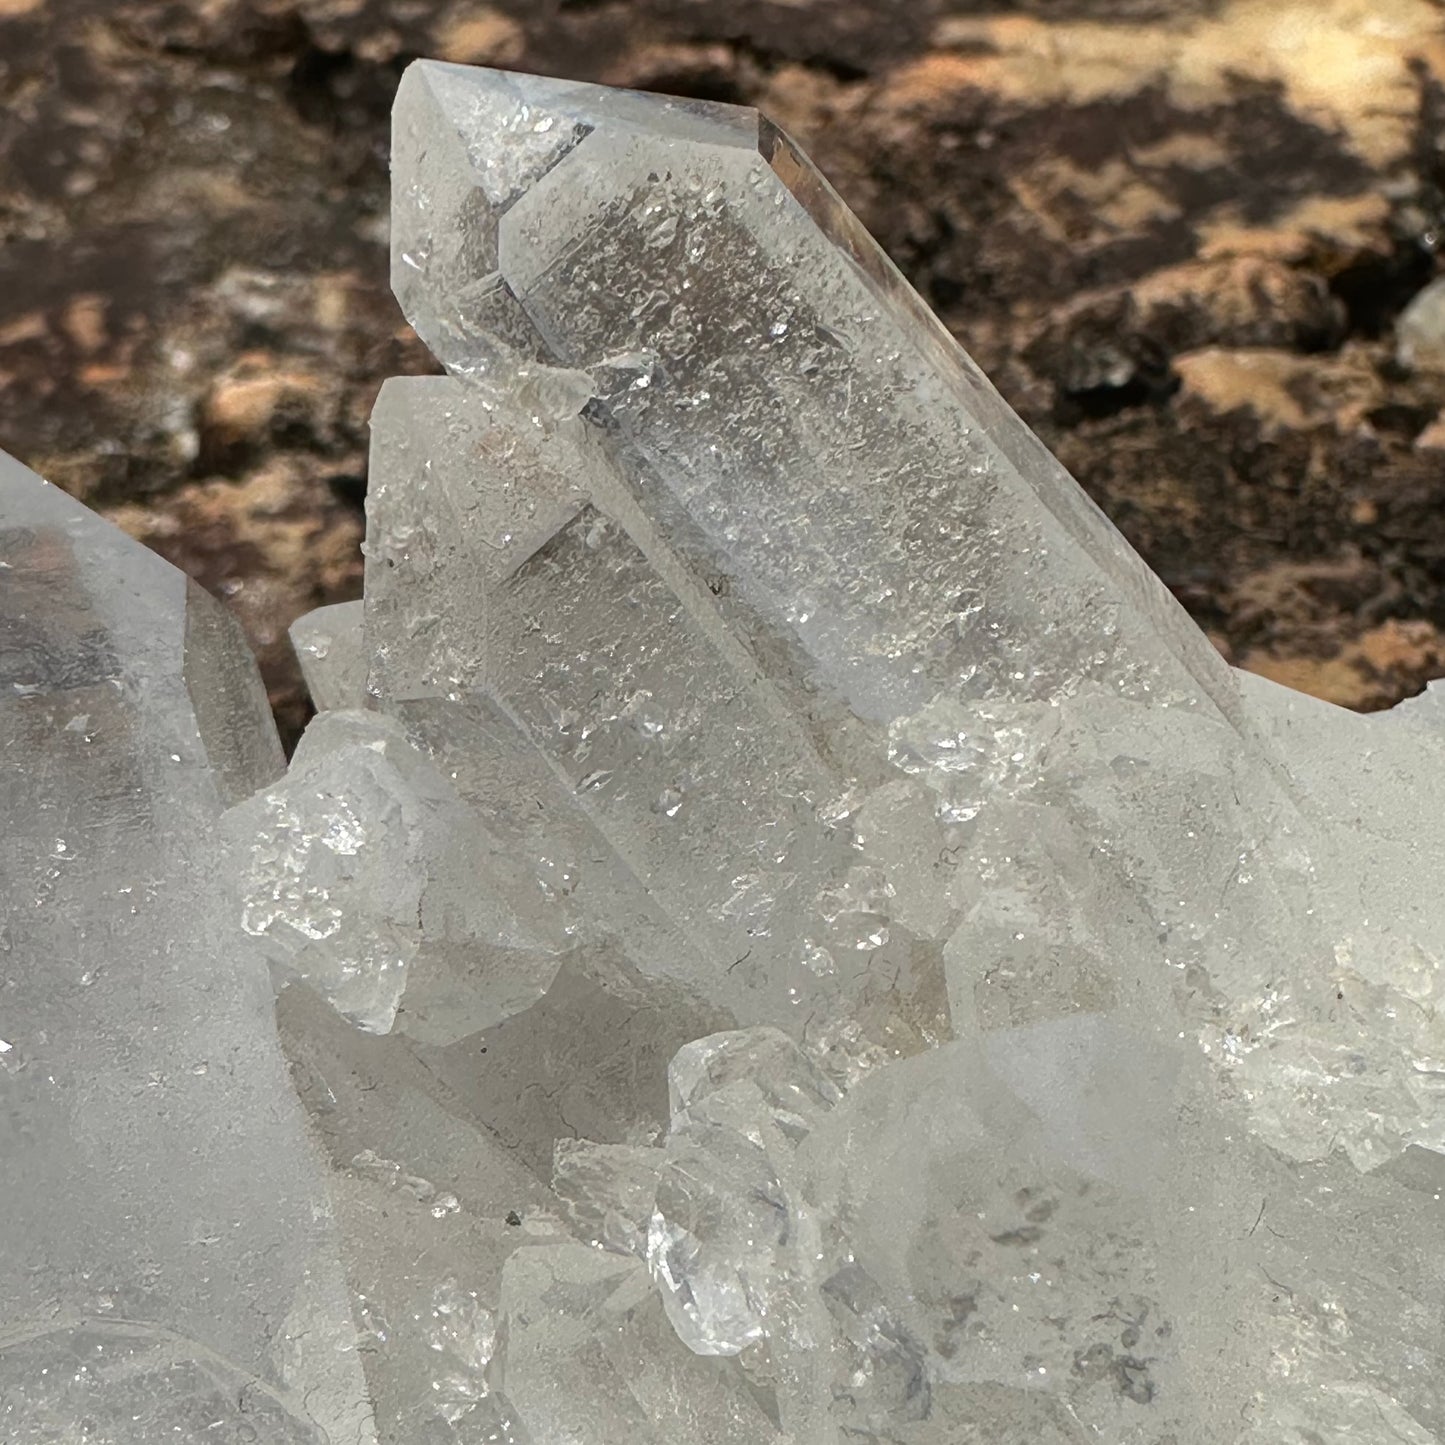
[1178, 236]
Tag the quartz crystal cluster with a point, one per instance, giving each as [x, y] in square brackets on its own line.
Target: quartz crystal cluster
[781, 930]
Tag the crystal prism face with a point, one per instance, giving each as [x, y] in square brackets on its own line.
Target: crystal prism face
[782, 929]
[164, 1254]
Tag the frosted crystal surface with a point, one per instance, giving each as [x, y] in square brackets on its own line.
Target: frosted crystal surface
[781, 929]
[591, 1358]
[166, 1252]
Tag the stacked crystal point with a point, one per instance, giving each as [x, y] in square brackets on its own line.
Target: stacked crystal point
[780, 931]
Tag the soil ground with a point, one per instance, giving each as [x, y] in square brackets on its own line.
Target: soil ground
[1179, 234]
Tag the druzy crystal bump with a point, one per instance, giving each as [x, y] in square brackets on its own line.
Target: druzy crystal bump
[781, 929]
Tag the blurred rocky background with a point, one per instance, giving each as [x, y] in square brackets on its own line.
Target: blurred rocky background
[1187, 238]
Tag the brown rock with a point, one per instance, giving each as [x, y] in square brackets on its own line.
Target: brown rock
[255, 399]
[1433, 437]
[84, 322]
[471, 35]
[1372, 672]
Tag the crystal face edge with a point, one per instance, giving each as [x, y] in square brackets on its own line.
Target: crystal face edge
[1081, 516]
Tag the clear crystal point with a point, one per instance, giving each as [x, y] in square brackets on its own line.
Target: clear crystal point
[788, 405]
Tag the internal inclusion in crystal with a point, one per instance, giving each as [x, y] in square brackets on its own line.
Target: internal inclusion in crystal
[785, 931]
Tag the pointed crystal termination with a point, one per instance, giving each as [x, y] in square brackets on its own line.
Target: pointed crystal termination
[331, 648]
[142, 1289]
[787, 405]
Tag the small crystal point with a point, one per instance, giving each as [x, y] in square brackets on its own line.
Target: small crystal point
[330, 646]
[363, 874]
